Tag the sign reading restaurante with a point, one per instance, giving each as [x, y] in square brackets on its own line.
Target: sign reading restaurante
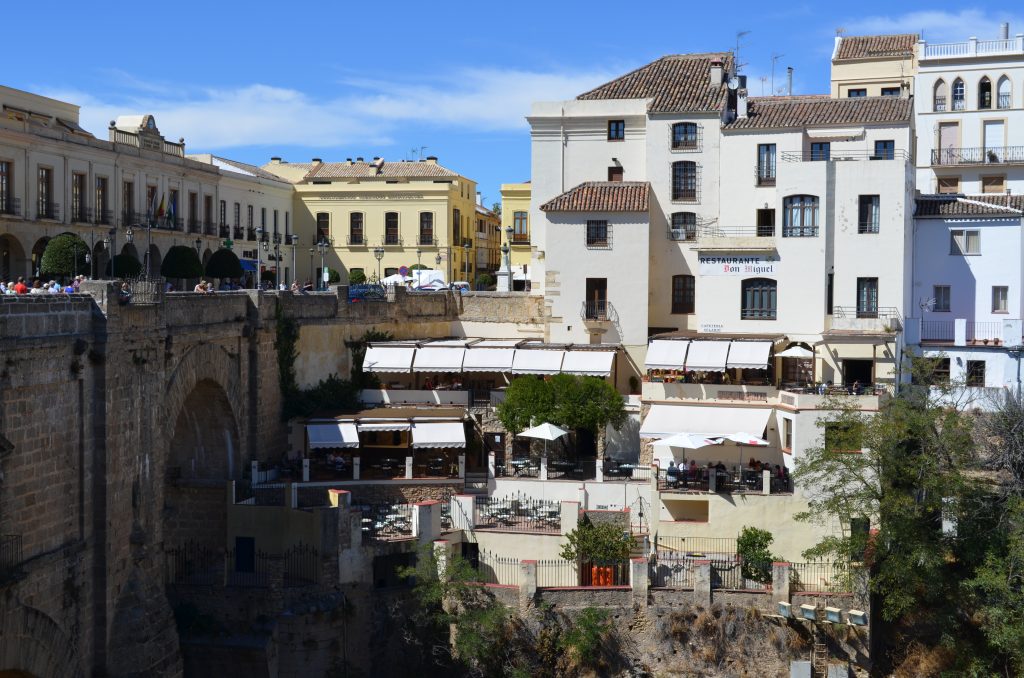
[758, 264]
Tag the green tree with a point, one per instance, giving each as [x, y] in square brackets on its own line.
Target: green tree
[224, 264]
[573, 402]
[603, 543]
[357, 349]
[419, 267]
[754, 548]
[64, 256]
[484, 281]
[181, 261]
[333, 276]
[356, 277]
[528, 400]
[124, 266]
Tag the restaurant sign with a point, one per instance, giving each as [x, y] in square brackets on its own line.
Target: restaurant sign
[741, 265]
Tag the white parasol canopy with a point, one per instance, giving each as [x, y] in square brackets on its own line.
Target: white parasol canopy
[544, 431]
[688, 441]
[744, 439]
[795, 352]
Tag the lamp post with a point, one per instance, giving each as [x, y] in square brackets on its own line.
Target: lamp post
[507, 251]
[199, 246]
[378, 254]
[266, 249]
[466, 246]
[259, 236]
[311, 251]
[88, 262]
[294, 242]
[277, 260]
[111, 242]
[437, 261]
[322, 246]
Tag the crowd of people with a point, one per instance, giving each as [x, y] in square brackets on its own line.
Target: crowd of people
[39, 286]
[754, 469]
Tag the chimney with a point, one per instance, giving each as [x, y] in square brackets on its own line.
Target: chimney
[275, 160]
[789, 81]
[431, 159]
[317, 160]
[741, 104]
[716, 72]
[479, 198]
[1004, 31]
[359, 159]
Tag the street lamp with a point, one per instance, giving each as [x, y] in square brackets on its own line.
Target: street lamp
[294, 241]
[277, 261]
[311, 251]
[378, 254]
[111, 242]
[419, 255]
[88, 262]
[266, 249]
[322, 246]
[199, 245]
[259, 236]
[465, 259]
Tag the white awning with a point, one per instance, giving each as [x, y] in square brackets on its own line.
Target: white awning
[438, 434]
[707, 356]
[834, 133]
[438, 359]
[488, 359]
[666, 355]
[537, 361]
[388, 359]
[666, 420]
[588, 363]
[751, 355]
[385, 425]
[332, 435]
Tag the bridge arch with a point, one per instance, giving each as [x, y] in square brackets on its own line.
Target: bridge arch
[33, 645]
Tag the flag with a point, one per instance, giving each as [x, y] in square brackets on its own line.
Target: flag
[170, 212]
[154, 205]
[160, 210]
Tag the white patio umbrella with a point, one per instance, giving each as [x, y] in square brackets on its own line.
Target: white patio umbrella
[795, 352]
[744, 438]
[544, 432]
[686, 441]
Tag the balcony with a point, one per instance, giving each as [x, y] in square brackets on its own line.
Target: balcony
[972, 48]
[598, 310]
[688, 234]
[811, 399]
[104, 217]
[80, 215]
[426, 241]
[10, 207]
[250, 234]
[355, 241]
[236, 232]
[195, 226]
[221, 230]
[401, 396]
[47, 210]
[764, 175]
[971, 332]
[520, 239]
[724, 393]
[391, 241]
[736, 238]
[996, 155]
[845, 155]
[879, 319]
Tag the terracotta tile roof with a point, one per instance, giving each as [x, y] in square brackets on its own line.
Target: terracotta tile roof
[602, 196]
[367, 170]
[677, 83]
[814, 110]
[968, 205]
[874, 46]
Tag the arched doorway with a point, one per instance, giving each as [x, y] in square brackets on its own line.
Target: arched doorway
[37, 254]
[100, 259]
[153, 260]
[12, 258]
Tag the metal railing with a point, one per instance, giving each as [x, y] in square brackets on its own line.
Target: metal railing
[958, 104]
[799, 231]
[984, 331]
[80, 214]
[1003, 101]
[738, 575]
[820, 577]
[701, 547]
[194, 225]
[518, 514]
[521, 238]
[978, 155]
[597, 309]
[47, 210]
[391, 241]
[671, 571]
[10, 206]
[104, 217]
[237, 233]
[612, 469]
[937, 330]
[259, 495]
[301, 565]
[736, 231]
[143, 291]
[557, 573]
[852, 154]
[888, 313]
[972, 48]
[517, 467]
[939, 104]
[243, 571]
[492, 569]
[193, 564]
[686, 234]
[764, 176]
[387, 522]
[867, 226]
[426, 241]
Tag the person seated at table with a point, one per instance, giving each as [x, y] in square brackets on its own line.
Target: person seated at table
[694, 471]
[672, 473]
[720, 466]
[330, 459]
[428, 384]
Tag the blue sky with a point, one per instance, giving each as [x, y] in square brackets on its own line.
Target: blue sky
[344, 79]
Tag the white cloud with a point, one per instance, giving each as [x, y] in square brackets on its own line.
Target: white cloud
[939, 25]
[365, 111]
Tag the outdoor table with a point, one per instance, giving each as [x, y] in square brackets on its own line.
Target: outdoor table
[626, 469]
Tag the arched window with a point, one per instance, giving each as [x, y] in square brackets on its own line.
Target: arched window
[684, 135]
[985, 93]
[1003, 89]
[684, 296]
[391, 228]
[800, 216]
[427, 228]
[940, 95]
[958, 94]
[355, 229]
[323, 226]
[684, 226]
[684, 180]
[759, 299]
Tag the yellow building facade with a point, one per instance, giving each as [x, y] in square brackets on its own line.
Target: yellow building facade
[515, 214]
[874, 65]
[379, 216]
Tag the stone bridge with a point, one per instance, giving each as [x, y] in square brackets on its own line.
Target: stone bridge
[118, 427]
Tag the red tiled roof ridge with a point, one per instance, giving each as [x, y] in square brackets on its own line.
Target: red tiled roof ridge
[874, 46]
[602, 196]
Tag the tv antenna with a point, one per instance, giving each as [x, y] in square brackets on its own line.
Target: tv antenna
[736, 55]
[763, 79]
[775, 57]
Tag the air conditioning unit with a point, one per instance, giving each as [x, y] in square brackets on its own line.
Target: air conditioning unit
[678, 234]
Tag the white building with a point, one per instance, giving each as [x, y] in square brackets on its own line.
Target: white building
[970, 115]
[967, 283]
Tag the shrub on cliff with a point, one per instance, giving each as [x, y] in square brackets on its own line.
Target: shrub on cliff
[64, 255]
[181, 261]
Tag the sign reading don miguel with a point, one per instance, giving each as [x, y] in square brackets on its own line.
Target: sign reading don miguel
[741, 265]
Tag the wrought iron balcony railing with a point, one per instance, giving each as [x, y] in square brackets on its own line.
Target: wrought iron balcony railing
[10, 206]
[995, 155]
[598, 309]
[47, 210]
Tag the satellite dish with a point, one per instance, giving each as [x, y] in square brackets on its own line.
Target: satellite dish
[927, 304]
[734, 83]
